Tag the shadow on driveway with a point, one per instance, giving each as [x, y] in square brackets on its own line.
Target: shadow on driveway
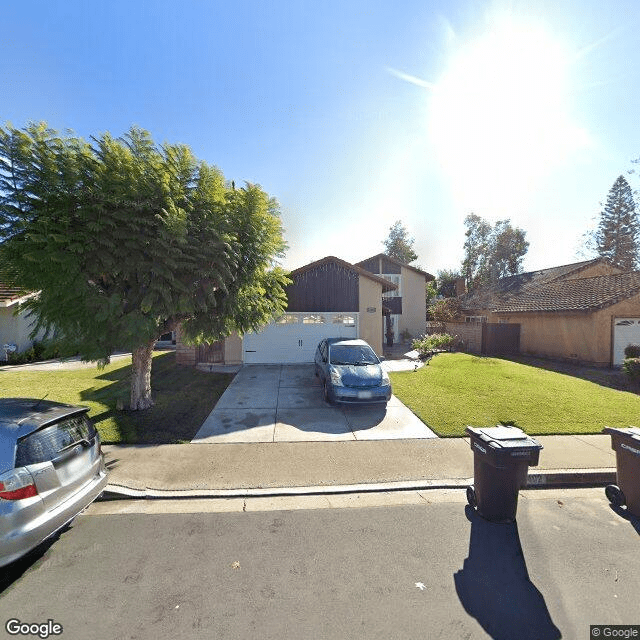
[494, 585]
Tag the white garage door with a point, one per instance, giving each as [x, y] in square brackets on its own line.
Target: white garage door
[626, 331]
[295, 336]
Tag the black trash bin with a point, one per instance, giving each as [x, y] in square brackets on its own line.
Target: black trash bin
[501, 459]
[626, 444]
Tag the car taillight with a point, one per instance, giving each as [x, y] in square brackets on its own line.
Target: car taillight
[17, 485]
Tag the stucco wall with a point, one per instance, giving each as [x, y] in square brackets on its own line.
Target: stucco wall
[370, 297]
[15, 329]
[578, 337]
[583, 337]
[414, 303]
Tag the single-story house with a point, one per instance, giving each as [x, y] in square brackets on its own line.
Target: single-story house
[585, 312]
[15, 328]
[407, 303]
[328, 298]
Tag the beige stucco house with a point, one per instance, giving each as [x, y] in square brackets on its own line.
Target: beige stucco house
[328, 298]
[585, 312]
[15, 324]
[407, 304]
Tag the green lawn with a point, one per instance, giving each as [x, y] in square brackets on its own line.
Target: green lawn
[458, 389]
[183, 397]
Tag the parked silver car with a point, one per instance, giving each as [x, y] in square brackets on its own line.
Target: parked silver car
[51, 468]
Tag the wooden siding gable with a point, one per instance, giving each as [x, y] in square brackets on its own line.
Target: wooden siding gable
[326, 287]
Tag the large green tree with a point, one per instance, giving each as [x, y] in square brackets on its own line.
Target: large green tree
[399, 244]
[446, 280]
[618, 234]
[491, 252]
[124, 240]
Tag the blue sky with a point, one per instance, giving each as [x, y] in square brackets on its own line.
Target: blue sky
[356, 114]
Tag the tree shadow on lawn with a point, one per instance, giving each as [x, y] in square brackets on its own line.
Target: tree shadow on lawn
[183, 398]
[605, 377]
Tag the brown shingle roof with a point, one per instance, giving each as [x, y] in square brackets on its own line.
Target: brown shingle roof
[505, 288]
[580, 294]
[10, 293]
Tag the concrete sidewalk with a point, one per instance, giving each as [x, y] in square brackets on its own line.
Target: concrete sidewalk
[291, 468]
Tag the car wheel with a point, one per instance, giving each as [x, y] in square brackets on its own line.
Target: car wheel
[325, 393]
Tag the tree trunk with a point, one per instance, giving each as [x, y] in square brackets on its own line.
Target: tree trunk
[141, 377]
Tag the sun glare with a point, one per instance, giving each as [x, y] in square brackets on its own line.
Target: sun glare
[499, 116]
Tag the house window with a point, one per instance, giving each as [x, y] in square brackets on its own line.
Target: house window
[313, 319]
[397, 280]
[475, 318]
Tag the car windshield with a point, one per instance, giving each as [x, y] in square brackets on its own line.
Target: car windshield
[355, 354]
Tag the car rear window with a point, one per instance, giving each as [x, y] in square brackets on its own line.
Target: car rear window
[46, 444]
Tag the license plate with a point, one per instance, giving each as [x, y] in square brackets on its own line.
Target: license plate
[365, 395]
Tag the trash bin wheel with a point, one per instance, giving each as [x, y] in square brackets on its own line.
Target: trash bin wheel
[471, 497]
[615, 495]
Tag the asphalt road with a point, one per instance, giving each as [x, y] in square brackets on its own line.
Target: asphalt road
[429, 568]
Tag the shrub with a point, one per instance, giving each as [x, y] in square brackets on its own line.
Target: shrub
[631, 367]
[40, 350]
[632, 351]
[445, 310]
[426, 344]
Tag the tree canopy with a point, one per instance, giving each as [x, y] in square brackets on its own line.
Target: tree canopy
[491, 252]
[446, 280]
[399, 245]
[124, 240]
[618, 234]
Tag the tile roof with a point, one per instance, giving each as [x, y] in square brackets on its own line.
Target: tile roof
[505, 288]
[580, 294]
[9, 295]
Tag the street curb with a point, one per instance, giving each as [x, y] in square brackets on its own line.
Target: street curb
[542, 479]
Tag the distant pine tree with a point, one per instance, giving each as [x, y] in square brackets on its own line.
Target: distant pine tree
[618, 233]
[399, 244]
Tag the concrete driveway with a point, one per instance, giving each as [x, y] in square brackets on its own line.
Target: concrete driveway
[283, 403]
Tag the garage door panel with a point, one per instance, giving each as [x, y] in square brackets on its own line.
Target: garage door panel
[626, 331]
[295, 337]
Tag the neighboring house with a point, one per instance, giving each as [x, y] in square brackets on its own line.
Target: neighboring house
[328, 298]
[14, 327]
[407, 304]
[586, 312]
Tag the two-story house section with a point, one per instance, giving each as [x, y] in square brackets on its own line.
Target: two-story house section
[407, 304]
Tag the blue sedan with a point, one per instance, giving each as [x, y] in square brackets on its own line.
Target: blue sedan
[351, 372]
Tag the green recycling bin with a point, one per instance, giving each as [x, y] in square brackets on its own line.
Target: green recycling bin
[626, 443]
[501, 460]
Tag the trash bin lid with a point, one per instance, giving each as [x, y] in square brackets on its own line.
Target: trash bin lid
[630, 432]
[505, 438]
[504, 433]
